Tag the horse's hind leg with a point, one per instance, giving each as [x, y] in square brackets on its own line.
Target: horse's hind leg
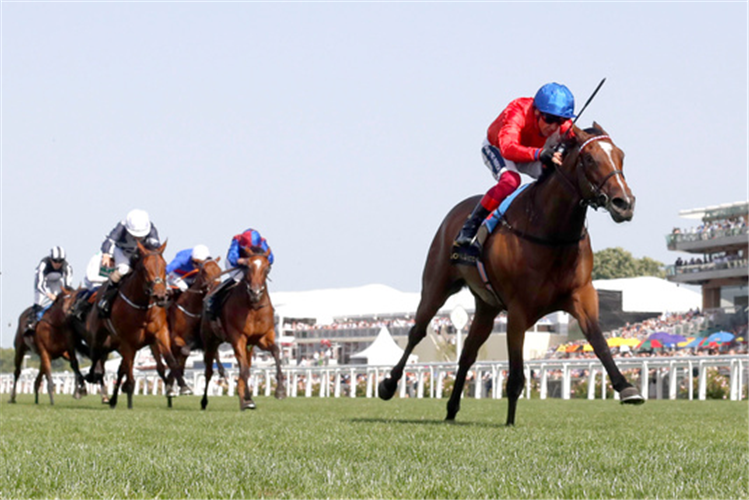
[438, 284]
[481, 328]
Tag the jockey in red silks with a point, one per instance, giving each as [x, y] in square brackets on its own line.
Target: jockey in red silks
[515, 144]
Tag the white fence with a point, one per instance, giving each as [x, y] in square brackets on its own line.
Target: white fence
[667, 378]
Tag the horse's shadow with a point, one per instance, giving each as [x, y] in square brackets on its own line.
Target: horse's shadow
[411, 421]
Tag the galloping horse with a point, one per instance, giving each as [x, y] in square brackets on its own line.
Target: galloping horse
[539, 261]
[50, 342]
[184, 317]
[138, 319]
[246, 321]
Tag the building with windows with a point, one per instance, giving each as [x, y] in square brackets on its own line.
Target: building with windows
[716, 255]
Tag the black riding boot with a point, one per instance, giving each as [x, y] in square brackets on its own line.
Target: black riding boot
[31, 320]
[215, 299]
[104, 305]
[465, 243]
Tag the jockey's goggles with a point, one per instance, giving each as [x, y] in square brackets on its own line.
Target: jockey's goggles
[552, 119]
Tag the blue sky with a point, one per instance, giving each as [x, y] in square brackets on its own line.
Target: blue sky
[342, 131]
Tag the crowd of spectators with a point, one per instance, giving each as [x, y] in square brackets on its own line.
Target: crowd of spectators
[712, 229]
[691, 321]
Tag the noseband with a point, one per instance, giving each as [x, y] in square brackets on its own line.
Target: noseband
[597, 199]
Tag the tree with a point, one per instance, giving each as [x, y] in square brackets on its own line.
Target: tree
[611, 263]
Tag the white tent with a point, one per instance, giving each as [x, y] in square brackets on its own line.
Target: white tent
[650, 294]
[383, 351]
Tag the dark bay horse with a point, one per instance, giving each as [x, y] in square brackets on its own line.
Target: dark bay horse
[184, 317]
[538, 260]
[246, 321]
[138, 319]
[50, 342]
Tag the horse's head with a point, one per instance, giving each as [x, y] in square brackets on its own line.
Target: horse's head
[598, 165]
[208, 275]
[256, 274]
[152, 267]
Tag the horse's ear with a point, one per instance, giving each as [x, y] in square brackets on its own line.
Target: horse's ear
[163, 246]
[596, 125]
[267, 253]
[217, 259]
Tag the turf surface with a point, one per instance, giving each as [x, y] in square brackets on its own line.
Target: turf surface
[366, 448]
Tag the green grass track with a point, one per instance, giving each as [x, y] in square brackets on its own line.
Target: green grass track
[344, 448]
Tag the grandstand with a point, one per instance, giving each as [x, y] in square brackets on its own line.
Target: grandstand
[717, 256]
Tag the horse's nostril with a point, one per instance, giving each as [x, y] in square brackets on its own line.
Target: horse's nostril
[620, 204]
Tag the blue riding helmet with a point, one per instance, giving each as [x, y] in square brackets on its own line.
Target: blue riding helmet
[555, 99]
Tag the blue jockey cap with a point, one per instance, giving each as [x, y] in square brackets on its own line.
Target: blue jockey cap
[555, 99]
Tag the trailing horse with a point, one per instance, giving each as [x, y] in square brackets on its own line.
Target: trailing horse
[246, 320]
[184, 317]
[50, 341]
[538, 261]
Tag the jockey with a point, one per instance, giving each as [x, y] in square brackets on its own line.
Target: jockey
[515, 144]
[180, 271]
[52, 275]
[120, 248]
[242, 245]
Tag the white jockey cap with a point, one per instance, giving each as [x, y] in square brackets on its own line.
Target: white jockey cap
[200, 252]
[138, 223]
[57, 254]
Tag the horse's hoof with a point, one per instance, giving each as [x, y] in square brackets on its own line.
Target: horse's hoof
[280, 394]
[385, 391]
[248, 405]
[172, 392]
[83, 391]
[77, 395]
[12, 401]
[631, 396]
[105, 401]
[185, 391]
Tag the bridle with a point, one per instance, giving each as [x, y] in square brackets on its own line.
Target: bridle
[595, 197]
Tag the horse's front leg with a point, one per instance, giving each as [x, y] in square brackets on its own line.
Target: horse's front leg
[165, 347]
[210, 352]
[584, 308]
[517, 324]
[126, 368]
[20, 353]
[267, 343]
[45, 368]
[239, 343]
[481, 328]
[80, 383]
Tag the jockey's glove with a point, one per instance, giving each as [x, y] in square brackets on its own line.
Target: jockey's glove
[546, 156]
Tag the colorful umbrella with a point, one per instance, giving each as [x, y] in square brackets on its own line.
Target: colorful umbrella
[666, 338]
[686, 342]
[649, 345]
[620, 341]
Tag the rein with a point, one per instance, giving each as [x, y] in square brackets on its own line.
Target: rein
[595, 201]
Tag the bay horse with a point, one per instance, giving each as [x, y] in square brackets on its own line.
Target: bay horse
[137, 319]
[246, 320]
[50, 344]
[538, 260]
[184, 318]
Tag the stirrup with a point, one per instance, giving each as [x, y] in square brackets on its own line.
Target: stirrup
[466, 255]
